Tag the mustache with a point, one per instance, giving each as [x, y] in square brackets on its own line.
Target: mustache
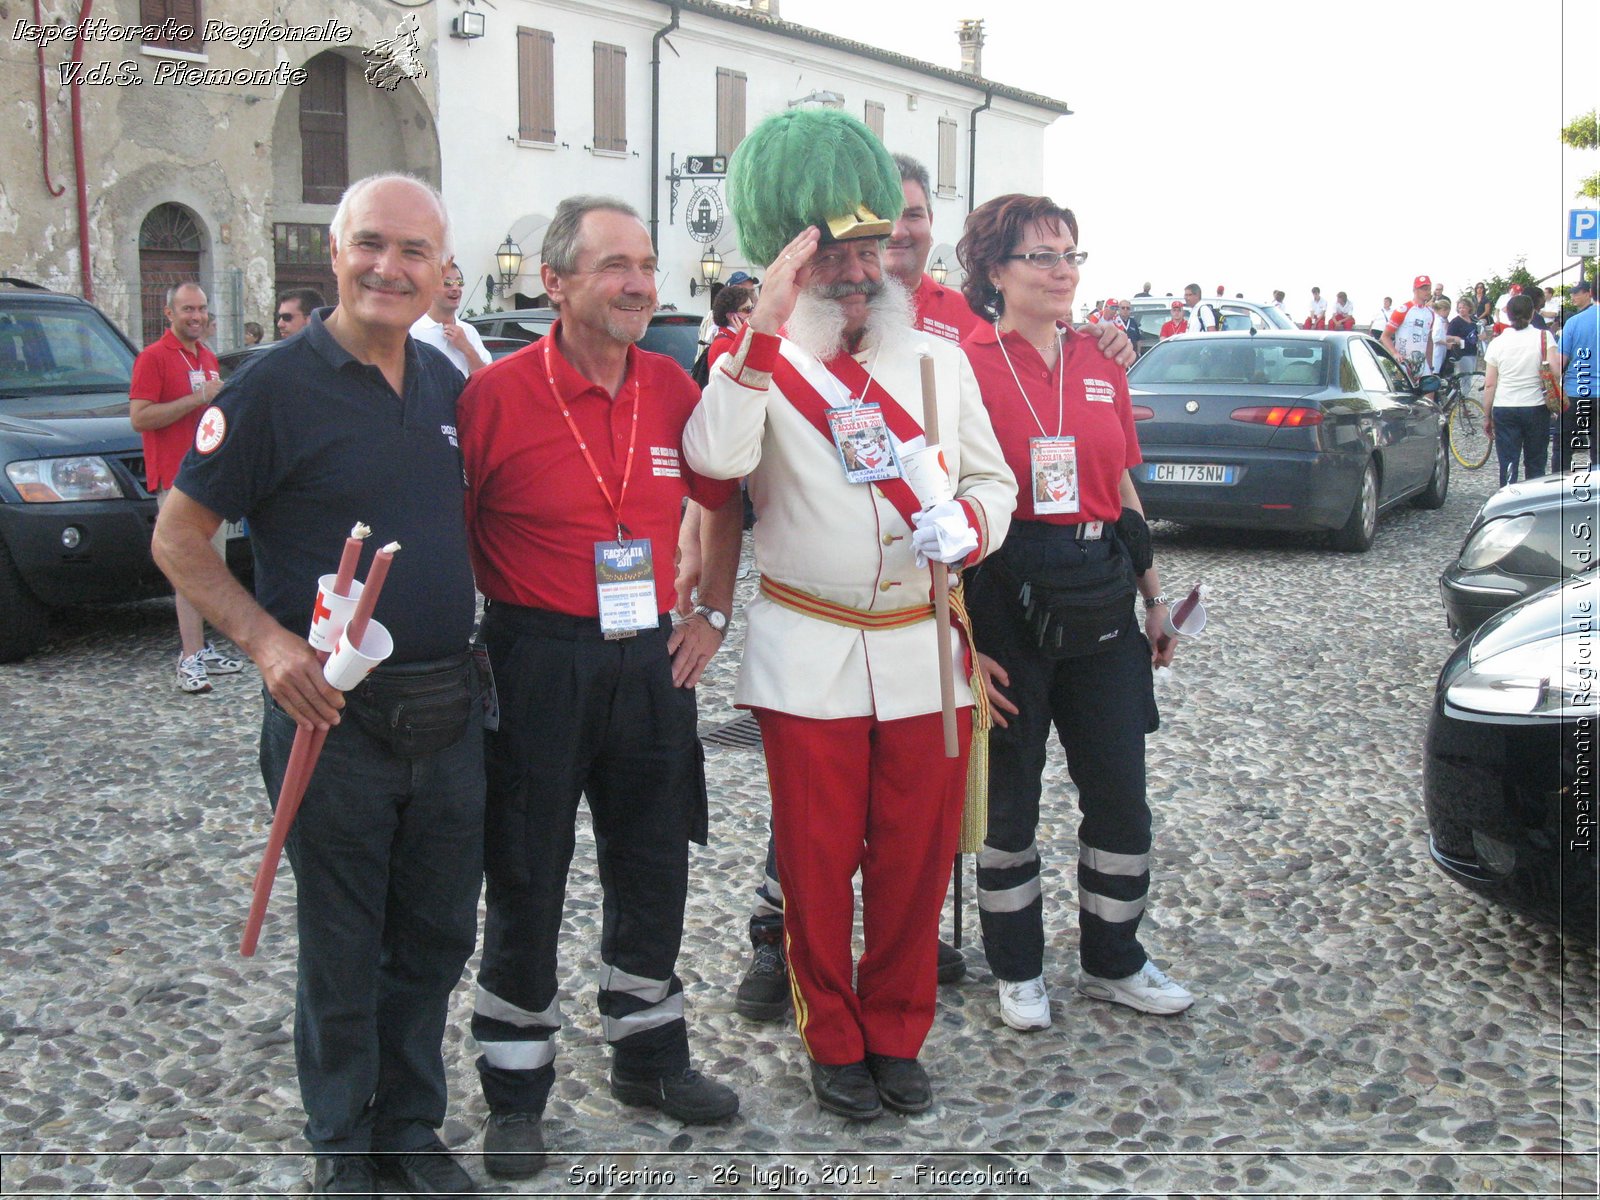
[838, 291]
[396, 287]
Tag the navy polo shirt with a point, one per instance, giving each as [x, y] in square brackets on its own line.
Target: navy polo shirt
[303, 442]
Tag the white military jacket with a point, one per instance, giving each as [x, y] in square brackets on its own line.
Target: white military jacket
[842, 541]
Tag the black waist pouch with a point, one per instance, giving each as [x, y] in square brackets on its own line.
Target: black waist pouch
[416, 709]
[1077, 610]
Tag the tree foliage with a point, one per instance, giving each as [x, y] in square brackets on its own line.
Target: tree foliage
[1583, 133]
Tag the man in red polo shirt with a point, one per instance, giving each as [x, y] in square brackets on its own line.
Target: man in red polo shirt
[174, 378]
[575, 483]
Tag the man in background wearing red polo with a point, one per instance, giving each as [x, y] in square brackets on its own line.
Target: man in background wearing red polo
[575, 482]
[174, 378]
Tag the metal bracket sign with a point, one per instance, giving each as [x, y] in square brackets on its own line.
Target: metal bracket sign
[1583, 232]
[711, 167]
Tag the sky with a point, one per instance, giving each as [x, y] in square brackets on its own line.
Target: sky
[1264, 144]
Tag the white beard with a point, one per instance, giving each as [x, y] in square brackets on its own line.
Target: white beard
[817, 324]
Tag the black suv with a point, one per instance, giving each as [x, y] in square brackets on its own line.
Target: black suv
[75, 518]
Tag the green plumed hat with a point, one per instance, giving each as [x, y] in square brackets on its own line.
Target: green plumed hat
[810, 166]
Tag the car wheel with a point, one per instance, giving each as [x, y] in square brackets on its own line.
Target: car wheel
[1356, 535]
[1439, 484]
[27, 620]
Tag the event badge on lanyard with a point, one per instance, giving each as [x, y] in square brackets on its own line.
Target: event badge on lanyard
[1053, 465]
[624, 569]
[861, 435]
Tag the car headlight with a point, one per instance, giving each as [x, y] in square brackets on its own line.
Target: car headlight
[1494, 540]
[53, 480]
[1532, 680]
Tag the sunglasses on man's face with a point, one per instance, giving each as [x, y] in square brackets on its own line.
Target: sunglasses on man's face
[282, 317]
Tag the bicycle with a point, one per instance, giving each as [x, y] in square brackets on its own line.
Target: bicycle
[1461, 405]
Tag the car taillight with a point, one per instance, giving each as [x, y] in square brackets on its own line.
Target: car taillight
[1278, 416]
[1142, 413]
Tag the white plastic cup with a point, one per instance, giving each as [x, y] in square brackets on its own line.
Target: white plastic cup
[1192, 624]
[925, 472]
[332, 613]
[350, 664]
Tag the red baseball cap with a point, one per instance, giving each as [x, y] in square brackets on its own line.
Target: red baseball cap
[1421, 281]
[1110, 304]
[1177, 304]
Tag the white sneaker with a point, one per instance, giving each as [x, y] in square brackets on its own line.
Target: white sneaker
[192, 675]
[1024, 1005]
[217, 663]
[1149, 990]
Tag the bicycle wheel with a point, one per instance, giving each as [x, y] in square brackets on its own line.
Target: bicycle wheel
[1468, 442]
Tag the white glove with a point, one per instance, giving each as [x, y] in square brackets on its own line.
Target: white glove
[942, 534]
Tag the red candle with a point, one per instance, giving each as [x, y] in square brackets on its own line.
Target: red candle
[350, 559]
[357, 628]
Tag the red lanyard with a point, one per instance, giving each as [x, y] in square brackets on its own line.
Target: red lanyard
[633, 439]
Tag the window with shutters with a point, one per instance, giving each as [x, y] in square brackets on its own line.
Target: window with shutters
[610, 95]
[874, 118]
[536, 85]
[730, 110]
[176, 24]
[947, 157]
[324, 131]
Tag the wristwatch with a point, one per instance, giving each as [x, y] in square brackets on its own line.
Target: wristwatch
[714, 618]
[1156, 601]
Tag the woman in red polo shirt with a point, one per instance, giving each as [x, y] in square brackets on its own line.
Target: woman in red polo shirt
[1053, 615]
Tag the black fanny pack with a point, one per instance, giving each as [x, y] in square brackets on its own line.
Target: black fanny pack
[416, 709]
[1080, 609]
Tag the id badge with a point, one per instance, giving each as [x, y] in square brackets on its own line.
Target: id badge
[1053, 464]
[865, 446]
[625, 582]
[197, 380]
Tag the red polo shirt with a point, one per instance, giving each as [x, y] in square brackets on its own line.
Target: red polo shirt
[1095, 409]
[943, 311]
[161, 374]
[534, 509]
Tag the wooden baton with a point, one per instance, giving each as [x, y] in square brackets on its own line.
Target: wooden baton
[941, 579]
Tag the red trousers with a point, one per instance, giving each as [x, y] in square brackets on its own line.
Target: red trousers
[877, 796]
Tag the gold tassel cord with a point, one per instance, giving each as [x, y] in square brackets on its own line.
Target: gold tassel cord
[975, 811]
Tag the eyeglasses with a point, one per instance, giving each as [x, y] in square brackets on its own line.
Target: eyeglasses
[282, 317]
[747, 310]
[1046, 260]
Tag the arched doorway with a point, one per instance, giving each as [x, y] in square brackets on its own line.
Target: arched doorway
[169, 254]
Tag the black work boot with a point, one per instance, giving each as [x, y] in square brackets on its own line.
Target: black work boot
[952, 963]
[763, 993]
[513, 1145]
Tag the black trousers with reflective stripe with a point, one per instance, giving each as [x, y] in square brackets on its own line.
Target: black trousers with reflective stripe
[583, 716]
[1102, 706]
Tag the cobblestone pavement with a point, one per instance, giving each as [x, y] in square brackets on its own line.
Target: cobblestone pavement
[1362, 1026]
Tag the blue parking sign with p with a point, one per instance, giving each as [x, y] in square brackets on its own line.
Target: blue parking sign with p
[1583, 224]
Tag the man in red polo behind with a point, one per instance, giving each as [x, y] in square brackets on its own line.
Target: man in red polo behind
[174, 378]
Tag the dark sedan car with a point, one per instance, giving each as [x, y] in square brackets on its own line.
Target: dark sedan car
[673, 333]
[1527, 536]
[1509, 778]
[1284, 430]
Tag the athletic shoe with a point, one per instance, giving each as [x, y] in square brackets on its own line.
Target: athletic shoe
[686, 1095]
[763, 993]
[431, 1173]
[513, 1145]
[1148, 990]
[1024, 1005]
[952, 964]
[192, 675]
[217, 663]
